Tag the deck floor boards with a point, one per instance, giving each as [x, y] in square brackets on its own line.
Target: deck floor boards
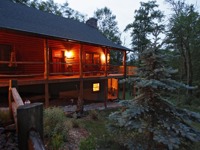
[4, 81]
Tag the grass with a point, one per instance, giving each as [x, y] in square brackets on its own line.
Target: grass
[98, 131]
[96, 121]
[4, 116]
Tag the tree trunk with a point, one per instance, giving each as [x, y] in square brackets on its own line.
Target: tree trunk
[182, 51]
[189, 74]
[80, 102]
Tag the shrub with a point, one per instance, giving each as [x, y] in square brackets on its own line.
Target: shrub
[4, 116]
[75, 123]
[93, 114]
[56, 141]
[55, 126]
[88, 144]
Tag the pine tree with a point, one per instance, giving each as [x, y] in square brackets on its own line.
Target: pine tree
[147, 19]
[107, 24]
[150, 121]
[183, 38]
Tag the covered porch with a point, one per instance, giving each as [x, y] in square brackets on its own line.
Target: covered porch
[32, 59]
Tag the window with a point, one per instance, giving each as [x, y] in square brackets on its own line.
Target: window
[92, 58]
[96, 87]
[5, 54]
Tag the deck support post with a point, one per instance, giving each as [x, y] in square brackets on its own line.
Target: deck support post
[80, 102]
[106, 93]
[124, 84]
[106, 81]
[46, 71]
[12, 84]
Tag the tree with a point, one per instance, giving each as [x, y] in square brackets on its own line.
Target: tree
[107, 24]
[150, 121]
[21, 1]
[183, 35]
[54, 8]
[147, 20]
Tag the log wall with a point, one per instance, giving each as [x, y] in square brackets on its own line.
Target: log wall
[27, 49]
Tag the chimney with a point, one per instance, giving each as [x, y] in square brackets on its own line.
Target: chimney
[92, 22]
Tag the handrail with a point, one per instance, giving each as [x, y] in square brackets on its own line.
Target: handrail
[16, 97]
[35, 142]
[20, 75]
[27, 137]
[22, 62]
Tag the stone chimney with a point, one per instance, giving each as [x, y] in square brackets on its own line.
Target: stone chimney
[92, 22]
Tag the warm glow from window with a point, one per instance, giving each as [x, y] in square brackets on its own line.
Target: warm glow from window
[103, 58]
[57, 54]
[96, 87]
[68, 54]
[108, 58]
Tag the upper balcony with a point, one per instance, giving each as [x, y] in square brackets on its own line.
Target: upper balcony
[33, 60]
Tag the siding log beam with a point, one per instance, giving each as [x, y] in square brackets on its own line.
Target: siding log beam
[46, 71]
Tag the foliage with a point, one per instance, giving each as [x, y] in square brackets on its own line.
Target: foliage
[54, 8]
[99, 133]
[4, 116]
[150, 121]
[107, 24]
[93, 114]
[89, 144]
[56, 141]
[75, 123]
[147, 23]
[55, 126]
[183, 38]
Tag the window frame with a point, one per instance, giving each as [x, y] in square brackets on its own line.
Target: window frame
[97, 86]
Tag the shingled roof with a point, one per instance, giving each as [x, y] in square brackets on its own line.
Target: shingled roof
[19, 17]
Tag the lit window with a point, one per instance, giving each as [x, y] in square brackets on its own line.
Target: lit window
[96, 87]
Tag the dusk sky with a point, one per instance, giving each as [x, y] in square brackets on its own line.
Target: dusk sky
[123, 9]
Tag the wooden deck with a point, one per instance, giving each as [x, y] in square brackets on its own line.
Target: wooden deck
[31, 80]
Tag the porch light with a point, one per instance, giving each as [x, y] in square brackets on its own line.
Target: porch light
[69, 54]
[103, 58]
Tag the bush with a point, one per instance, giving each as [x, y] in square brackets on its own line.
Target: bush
[93, 114]
[4, 116]
[55, 126]
[88, 144]
[75, 123]
[56, 141]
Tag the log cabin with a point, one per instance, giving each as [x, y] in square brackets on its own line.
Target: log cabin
[55, 56]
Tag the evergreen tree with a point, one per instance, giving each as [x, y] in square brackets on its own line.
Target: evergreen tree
[147, 18]
[54, 8]
[107, 24]
[183, 37]
[150, 121]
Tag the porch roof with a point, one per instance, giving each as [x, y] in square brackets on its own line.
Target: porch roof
[23, 18]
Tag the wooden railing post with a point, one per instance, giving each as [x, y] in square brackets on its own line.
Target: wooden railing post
[46, 72]
[12, 84]
[124, 84]
[29, 117]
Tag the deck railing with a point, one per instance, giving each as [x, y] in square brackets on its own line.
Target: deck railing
[28, 120]
[27, 69]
